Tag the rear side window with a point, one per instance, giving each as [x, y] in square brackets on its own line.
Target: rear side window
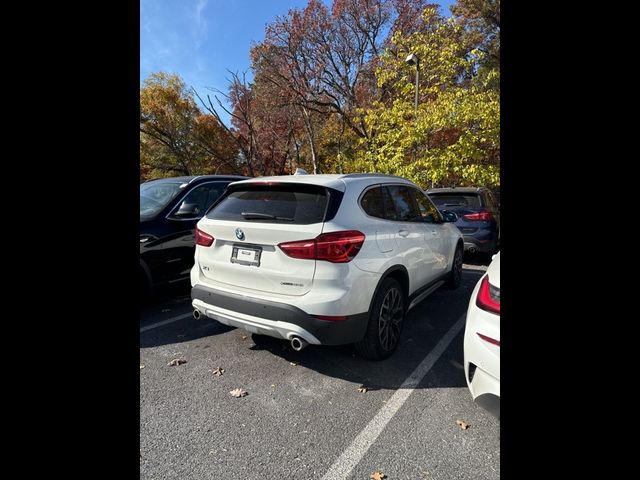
[290, 204]
[372, 203]
[377, 202]
[443, 200]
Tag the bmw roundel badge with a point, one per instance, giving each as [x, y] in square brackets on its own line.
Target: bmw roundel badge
[239, 234]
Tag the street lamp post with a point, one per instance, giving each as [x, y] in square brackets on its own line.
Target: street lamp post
[412, 59]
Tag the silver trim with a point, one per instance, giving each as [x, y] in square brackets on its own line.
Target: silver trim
[425, 294]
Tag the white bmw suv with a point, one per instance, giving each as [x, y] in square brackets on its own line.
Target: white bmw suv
[323, 259]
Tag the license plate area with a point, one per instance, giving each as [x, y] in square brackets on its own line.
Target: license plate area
[245, 255]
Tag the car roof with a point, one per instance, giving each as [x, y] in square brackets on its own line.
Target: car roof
[331, 180]
[196, 179]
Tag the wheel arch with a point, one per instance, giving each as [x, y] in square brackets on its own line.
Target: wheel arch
[398, 273]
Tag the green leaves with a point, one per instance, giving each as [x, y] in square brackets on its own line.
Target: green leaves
[454, 137]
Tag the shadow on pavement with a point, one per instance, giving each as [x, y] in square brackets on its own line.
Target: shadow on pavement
[424, 326]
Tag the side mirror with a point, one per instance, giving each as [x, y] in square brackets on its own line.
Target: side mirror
[449, 216]
[187, 210]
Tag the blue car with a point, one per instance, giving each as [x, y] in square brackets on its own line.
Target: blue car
[478, 215]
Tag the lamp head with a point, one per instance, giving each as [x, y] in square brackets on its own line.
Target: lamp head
[412, 59]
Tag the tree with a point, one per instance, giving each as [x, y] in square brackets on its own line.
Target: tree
[455, 136]
[176, 138]
[481, 21]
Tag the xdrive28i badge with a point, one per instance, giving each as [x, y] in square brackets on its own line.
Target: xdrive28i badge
[239, 234]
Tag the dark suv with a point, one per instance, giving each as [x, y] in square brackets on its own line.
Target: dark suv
[478, 215]
[169, 211]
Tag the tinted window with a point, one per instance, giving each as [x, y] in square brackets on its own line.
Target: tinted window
[203, 196]
[389, 207]
[377, 202]
[294, 204]
[157, 195]
[467, 200]
[428, 211]
[405, 204]
[372, 202]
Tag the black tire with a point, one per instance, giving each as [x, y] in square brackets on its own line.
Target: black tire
[455, 275]
[385, 322]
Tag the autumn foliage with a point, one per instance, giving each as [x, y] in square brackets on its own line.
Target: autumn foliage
[330, 92]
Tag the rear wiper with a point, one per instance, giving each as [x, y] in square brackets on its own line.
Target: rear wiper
[263, 216]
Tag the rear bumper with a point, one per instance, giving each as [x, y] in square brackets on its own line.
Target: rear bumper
[276, 319]
[475, 244]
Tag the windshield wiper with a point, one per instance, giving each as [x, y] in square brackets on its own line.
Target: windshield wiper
[263, 216]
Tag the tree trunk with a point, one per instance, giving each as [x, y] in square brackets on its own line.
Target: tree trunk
[312, 143]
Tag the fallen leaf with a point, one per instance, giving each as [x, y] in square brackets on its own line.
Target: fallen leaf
[377, 476]
[293, 364]
[238, 392]
[243, 337]
[176, 362]
[218, 371]
[141, 366]
[362, 389]
[273, 386]
[462, 425]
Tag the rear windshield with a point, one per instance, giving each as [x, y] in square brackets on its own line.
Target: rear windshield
[468, 200]
[290, 204]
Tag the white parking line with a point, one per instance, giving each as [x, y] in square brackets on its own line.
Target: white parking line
[165, 322]
[343, 466]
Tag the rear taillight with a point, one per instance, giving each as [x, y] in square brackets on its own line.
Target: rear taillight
[203, 239]
[480, 216]
[488, 297]
[335, 247]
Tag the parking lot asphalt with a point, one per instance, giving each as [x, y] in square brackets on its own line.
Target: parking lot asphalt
[303, 416]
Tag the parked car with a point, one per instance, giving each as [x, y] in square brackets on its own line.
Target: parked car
[482, 340]
[169, 211]
[323, 259]
[478, 215]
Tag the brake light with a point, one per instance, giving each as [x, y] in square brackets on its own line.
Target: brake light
[335, 247]
[203, 239]
[480, 216]
[488, 297]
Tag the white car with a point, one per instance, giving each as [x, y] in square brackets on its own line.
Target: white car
[323, 259]
[482, 340]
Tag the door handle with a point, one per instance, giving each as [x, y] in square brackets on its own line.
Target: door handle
[403, 232]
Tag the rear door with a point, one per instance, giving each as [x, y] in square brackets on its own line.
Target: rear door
[248, 225]
[411, 237]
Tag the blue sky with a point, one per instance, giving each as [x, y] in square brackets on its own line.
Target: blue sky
[201, 40]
